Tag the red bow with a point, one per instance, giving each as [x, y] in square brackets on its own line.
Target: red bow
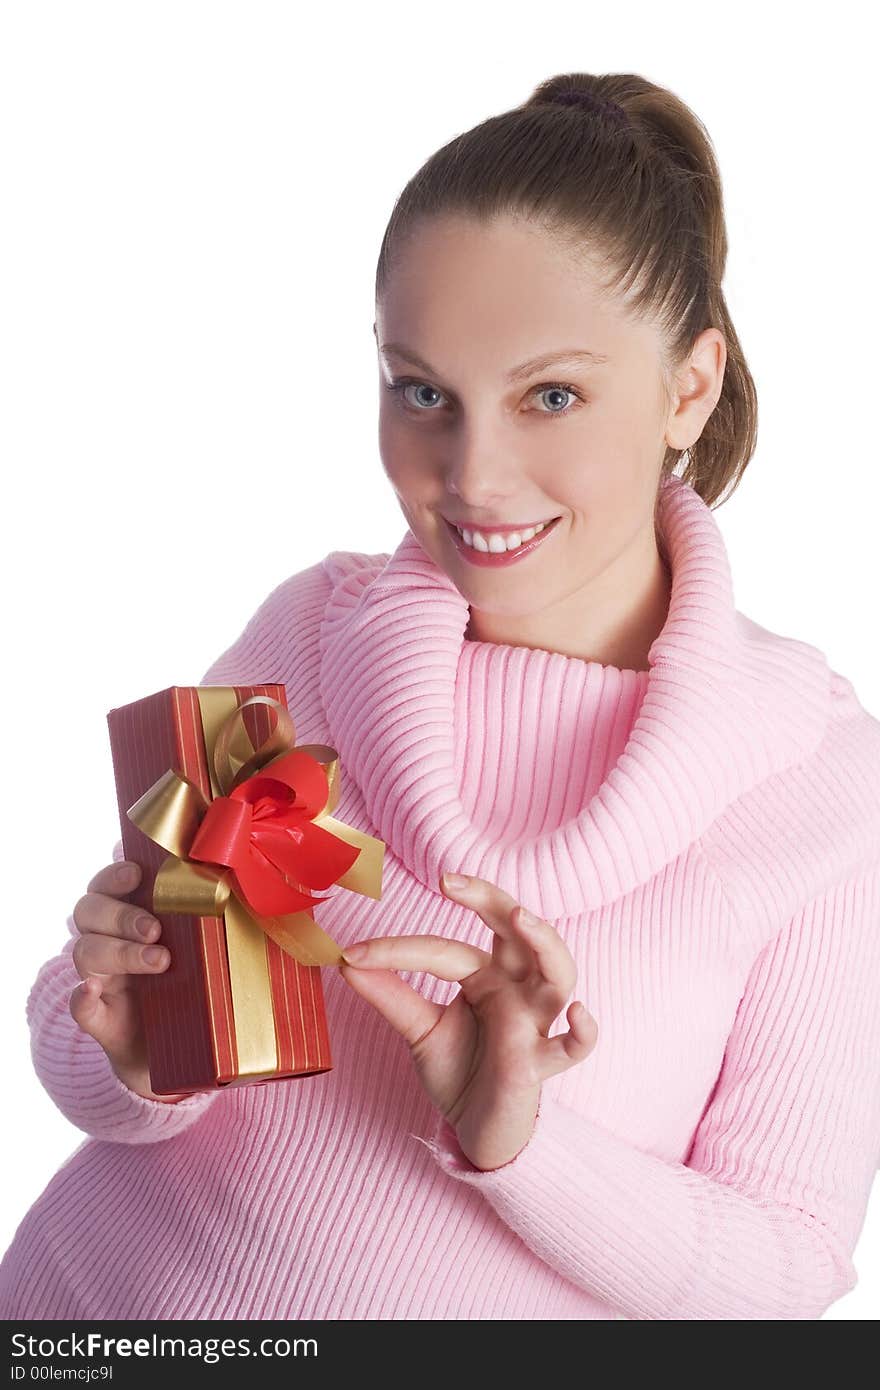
[264, 832]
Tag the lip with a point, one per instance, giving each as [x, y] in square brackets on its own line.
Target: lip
[507, 557]
[512, 526]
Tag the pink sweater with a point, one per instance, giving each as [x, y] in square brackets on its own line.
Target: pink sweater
[706, 838]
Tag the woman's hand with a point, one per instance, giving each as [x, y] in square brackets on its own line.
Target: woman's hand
[483, 1057]
[108, 953]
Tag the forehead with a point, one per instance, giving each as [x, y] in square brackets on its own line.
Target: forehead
[504, 255]
[508, 279]
[462, 294]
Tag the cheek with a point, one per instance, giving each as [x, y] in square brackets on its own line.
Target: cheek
[392, 448]
[614, 510]
[389, 445]
[412, 466]
[410, 477]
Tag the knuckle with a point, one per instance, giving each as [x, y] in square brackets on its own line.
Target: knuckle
[481, 891]
[80, 947]
[100, 880]
[120, 916]
[129, 921]
[79, 912]
[130, 958]
[79, 1015]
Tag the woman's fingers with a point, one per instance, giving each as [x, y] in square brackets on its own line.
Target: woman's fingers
[443, 956]
[99, 912]
[487, 900]
[524, 943]
[116, 937]
[97, 954]
[565, 1049]
[86, 1004]
[526, 951]
[403, 1007]
[552, 957]
[119, 877]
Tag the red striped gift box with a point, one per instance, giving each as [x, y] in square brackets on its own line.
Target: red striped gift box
[196, 1039]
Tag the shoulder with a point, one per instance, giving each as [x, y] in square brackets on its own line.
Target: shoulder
[306, 593]
[348, 572]
[340, 564]
[795, 680]
[283, 632]
[843, 775]
[810, 826]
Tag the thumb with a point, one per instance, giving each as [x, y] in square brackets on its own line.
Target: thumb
[87, 1006]
[409, 1012]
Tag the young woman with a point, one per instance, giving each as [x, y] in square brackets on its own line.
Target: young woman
[628, 1067]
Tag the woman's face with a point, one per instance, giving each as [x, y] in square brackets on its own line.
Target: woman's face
[468, 436]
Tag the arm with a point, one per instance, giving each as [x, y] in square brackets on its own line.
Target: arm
[72, 1066]
[762, 1218]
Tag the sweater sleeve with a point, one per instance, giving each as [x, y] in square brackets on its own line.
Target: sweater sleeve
[761, 1219]
[72, 1066]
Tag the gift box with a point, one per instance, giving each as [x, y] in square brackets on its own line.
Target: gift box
[232, 826]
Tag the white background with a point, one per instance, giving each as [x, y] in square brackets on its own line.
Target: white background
[193, 201]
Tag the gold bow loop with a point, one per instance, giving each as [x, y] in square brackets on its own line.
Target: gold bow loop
[173, 809]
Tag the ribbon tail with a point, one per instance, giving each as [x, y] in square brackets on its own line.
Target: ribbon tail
[365, 874]
[299, 935]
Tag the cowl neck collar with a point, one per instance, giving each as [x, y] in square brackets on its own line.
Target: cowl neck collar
[726, 704]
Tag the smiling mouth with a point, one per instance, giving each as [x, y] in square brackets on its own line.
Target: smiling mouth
[487, 532]
[494, 556]
[499, 530]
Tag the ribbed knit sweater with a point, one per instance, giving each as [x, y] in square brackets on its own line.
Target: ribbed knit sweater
[704, 835]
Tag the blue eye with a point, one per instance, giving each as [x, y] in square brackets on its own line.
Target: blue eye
[559, 386]
[399, 386]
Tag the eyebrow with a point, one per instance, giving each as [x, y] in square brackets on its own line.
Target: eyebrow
[535, 364]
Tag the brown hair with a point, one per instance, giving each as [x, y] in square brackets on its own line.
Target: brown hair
[640, 194]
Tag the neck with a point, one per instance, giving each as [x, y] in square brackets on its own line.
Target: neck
[613, 620]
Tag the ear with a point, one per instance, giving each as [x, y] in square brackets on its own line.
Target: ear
[697, 389]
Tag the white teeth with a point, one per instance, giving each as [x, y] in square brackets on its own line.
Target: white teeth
[496, 542]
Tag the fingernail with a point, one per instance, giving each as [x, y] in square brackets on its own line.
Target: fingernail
[529, 918]
[154, 955]
[455, 881]
[354, 953]
[145, 926]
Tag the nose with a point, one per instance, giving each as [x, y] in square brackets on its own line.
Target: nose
[481, 470]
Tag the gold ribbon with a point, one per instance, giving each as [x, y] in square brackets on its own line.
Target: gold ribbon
[170, 812]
